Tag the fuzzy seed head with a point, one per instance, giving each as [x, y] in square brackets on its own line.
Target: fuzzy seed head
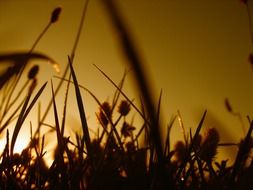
[105, 113]
[124, 108]
[127, 129]
[55, 15]
[209, 145]
[180, 151]
[33, 72]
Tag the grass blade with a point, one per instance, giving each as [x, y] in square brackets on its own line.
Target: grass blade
[191, 146]
[23, 114]
[86, 136]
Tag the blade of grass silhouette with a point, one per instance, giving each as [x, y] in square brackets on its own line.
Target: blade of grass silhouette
[18, 61]
[122, 93]
[85, 7]
[59, 156]
[134, 60]
[23, 114]
[16, 58]
[167, 141]
[65, 107]
[117, 92]
[188, 154]
[159, 106]
[6, 98]
[57, 125]
[181, 124]
[86, 136]
[10, 104]
[100, 105]
[242, 152]
[11, 117]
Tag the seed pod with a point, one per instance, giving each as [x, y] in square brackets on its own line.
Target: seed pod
[180, 151]
[55, 15]
[105, 113]
[124, 108]
[33, 72]
[209, 145]
[127, 129]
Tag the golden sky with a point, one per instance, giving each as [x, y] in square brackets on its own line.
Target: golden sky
[196, 51]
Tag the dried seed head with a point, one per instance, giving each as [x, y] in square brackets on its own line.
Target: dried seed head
[228, 105]
[33, 72]
[124, 108]
[127, 129]
[209, 145]
[55, 15]
[105, 113]
[180, 151]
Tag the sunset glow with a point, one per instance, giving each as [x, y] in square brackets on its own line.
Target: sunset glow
[196, 56]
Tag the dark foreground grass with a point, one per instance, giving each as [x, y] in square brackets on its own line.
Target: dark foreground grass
[121, 156]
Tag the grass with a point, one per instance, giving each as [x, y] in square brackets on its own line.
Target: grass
[117, 157]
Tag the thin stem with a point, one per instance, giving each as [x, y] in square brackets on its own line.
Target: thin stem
[71, 58]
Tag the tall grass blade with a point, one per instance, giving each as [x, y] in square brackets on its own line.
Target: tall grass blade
[194, 139]
[57, 125]
[86, 136]
[59, 156]
[122, 93]
[243, 152]
[65, 107]
[23, 114]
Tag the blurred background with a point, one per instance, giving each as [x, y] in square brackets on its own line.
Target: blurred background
[195, 51]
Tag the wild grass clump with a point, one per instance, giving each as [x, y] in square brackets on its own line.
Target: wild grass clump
[121, 155]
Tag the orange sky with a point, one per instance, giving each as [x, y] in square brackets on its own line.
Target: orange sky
[196, 51]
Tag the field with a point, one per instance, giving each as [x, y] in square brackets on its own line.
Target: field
[120, 155]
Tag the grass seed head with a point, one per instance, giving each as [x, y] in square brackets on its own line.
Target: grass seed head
[124, 108]
[209, 145]
[55, 14]
[127, 129]
[105, 113]
[33, 72]
[180, 151]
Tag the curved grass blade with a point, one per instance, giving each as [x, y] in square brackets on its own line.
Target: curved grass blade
[17, 62]
[24, 113]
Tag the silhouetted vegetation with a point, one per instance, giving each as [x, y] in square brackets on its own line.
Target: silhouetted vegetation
[121, 156]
